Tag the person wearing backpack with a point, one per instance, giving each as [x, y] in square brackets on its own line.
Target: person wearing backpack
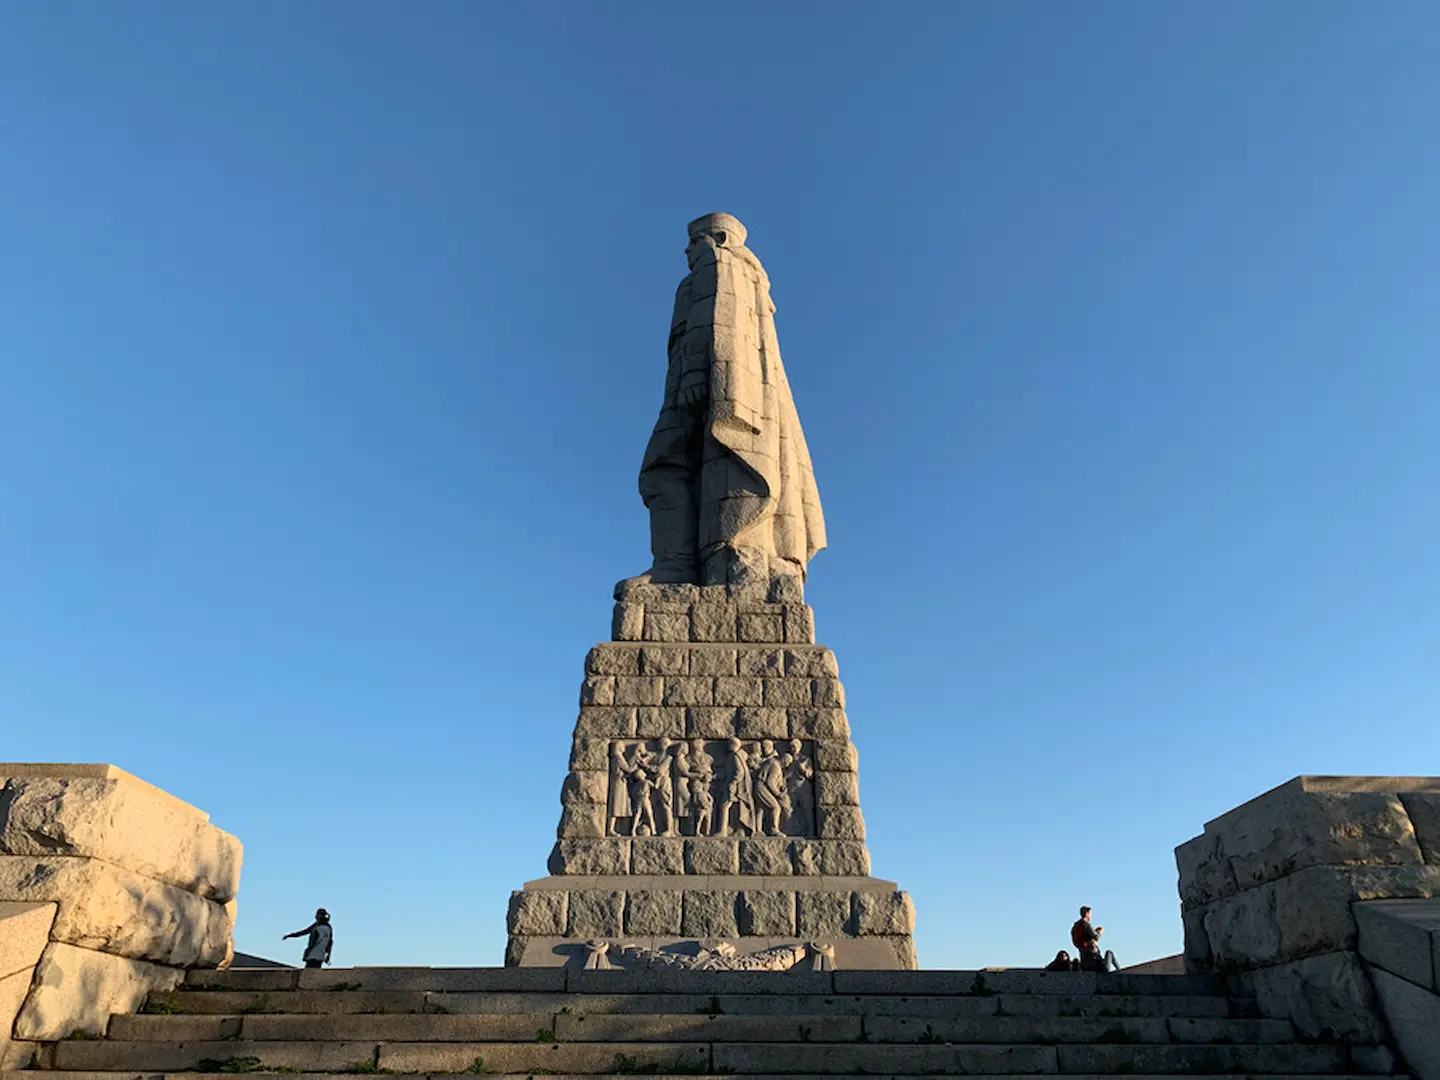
[1086, 938]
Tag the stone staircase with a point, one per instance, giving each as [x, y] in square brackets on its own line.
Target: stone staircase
[558, 1022]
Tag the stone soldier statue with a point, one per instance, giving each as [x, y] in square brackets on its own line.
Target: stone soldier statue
[727, 475]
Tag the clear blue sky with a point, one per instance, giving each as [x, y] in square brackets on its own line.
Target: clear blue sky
[332, 334]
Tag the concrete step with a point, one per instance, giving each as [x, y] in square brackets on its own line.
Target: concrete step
[693, 1027]
[191, 1075]
[1002, 1059]
[720, 1057]
[326, 1002]
[665, 981]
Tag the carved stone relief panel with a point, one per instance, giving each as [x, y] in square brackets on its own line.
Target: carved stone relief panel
[711, 787]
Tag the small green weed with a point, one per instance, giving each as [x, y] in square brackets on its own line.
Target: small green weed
[478, 1067]
[545, 1035]
[80, 1035]
[366, 1068]
[159, 1006]
[804, 1033]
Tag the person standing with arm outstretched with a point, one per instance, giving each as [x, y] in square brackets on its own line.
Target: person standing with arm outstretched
[322, 939]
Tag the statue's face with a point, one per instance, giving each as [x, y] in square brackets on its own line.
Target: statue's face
[702, 245]
[767, 747]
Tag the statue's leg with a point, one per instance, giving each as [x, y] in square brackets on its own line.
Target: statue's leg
[731, 501]
[667, 484]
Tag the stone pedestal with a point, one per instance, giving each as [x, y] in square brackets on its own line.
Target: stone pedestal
[109, 890]
[1269, 893]
[712, 807]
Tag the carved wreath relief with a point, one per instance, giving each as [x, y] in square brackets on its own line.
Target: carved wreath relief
[711, 787]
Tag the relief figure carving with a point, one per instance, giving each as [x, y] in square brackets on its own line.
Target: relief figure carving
[739, 791]
[772, 800]
[800, 784]
[665, 787]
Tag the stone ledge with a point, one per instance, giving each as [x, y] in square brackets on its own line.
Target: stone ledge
[1402, 937]
[103, 812]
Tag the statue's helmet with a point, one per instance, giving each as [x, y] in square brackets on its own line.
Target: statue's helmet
[727, 224]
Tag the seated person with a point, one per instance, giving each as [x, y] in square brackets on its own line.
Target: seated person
[1086, 938]
[1062, 962]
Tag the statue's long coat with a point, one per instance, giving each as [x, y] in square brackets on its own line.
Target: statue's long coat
[723, 330]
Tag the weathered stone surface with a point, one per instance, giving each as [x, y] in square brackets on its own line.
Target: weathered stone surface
[836, 756]
[1197, 953]
[608, 856]
[712, 855]
[628, 622]
[587, 788]
[14, 989]
[537, 912]
[109, 814]
[661, 626]
[78, 989]
[1292, 828]
[714, 661]
[713, 622]
[824, 914]
[713, 723]
[611, 659]
[837, 788]
[844, 858]
[641, 590]
[598, 690]
[805, 856]
[24, 932]
[689, 690]
[828, 693]
[787, 693]
[890, 914]
[582, 823]
[639, 690]
[1423, 809]
[104, 907]
[1401, 936]
[817, 723]
[662, 722]
[1325, 996]
[596, 913]
[1305, 913]
[761, 626]
[767, 914]
[752, 722]
[799, 624]
[766, 663]
[769, 855]
[812, 662]
[1413, 1014]
[739, 690]
[606, 721]
[589, 753]
[664, 660]
[710, 913]
[657, 855]
[841, 823]
[653, 912]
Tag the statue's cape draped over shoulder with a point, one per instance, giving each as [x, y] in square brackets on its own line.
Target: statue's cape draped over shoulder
[752, 412]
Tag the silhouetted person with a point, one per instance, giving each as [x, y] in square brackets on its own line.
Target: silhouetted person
[322, 937]
[1086, 938]
[1062, 962]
